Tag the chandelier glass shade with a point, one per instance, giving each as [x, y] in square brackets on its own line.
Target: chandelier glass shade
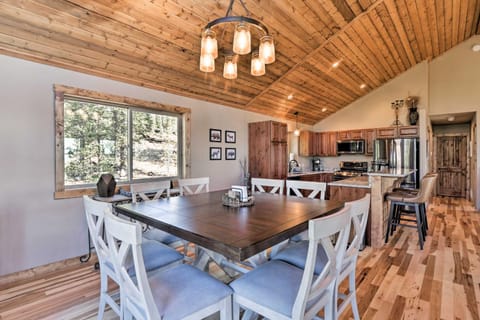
[242, 44]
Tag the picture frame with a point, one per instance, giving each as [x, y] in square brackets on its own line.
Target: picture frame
[230, 153]
[215, 153]
[215, 135]
[230, 136]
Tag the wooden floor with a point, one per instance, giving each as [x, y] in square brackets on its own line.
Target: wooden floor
[399, 281]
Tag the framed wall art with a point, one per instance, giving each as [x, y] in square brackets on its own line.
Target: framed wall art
[215, 153]
[230, 153]
[230, 136]
[215, 135]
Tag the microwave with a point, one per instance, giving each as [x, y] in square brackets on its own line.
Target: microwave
[351, 147]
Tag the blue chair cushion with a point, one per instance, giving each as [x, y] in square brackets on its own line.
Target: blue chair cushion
[273, 285]
[183, 290]
[296, 254]
[161, 236]
[157, 255]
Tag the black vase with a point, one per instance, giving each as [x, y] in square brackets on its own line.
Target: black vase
[413, 116]
[106, 185]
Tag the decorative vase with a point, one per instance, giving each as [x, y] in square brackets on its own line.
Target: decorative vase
[106, 185]
[413, 116]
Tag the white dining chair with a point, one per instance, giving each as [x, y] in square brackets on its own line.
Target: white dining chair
[275, 185]
[181, 292]
[150, 191]
[315, 188]
[279, 290]
[156, 255]
[194, 185]
[296, 255]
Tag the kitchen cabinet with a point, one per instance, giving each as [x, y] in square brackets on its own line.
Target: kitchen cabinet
[388, 132]
[397, 132]
[306, 144]
[267, 149]
[350, 134]
[408, 132]
[327, 144]
[369, 135]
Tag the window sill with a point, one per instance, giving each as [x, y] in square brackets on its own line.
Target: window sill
[77, 193]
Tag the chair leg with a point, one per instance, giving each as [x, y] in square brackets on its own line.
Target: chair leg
[353, 295]
[103, 292]
[226, 310]
[329, 311]
[419, 225]
[236, 310]
[425, 215]
[389, 222]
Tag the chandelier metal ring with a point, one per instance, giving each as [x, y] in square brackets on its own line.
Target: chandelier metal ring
[230, 19]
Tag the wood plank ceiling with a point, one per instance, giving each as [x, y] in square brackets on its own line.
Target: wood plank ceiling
[156, 44]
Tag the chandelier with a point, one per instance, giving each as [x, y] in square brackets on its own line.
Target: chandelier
[265, 54]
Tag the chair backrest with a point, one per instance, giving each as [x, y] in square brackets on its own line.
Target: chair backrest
[193, 185]
[276, 185]
[136, 296]
[157, 188]
[426, 187]
[322, 231]
[95, 213]
[315, 187]
[359, 212]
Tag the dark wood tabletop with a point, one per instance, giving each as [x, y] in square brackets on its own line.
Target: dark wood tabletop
[236, 233]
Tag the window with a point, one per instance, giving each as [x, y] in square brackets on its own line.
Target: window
[126, 137]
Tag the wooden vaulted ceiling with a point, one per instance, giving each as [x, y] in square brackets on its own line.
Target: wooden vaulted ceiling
[156, 44]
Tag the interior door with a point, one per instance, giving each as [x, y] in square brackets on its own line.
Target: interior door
[452, 166]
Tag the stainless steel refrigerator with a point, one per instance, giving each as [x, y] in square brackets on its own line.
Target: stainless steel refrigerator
[398, 154]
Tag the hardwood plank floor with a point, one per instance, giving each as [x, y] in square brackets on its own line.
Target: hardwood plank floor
[399, 281]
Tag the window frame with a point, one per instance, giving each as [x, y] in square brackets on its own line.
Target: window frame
[61, 92]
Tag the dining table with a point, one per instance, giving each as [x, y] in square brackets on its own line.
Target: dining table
[235, 233]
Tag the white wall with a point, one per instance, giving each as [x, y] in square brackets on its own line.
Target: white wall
[374, 111]
[455, 88]
[35, 229]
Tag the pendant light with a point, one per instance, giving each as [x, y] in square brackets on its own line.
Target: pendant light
[258, 66]
[296, 131]
[230, 67]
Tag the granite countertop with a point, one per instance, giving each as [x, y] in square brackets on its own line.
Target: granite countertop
[354, 182]
[305, 173]
[394, 173]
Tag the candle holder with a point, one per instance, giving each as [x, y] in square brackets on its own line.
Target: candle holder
[396, 105]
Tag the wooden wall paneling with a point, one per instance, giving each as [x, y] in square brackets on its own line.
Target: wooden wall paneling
[367, 36]
[400, 29]
[432, 22]
[376, 28]
[390, 37]
[448, 23]
[372, 75]
[424, 25]
[408, 25]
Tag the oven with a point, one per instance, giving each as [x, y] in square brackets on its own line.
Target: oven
[349, 169]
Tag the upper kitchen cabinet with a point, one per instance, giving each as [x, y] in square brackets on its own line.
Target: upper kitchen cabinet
[408, 132]
[328, 144]
[350, 135]
[307, 144]
[397, 132]
[369, 135]
[267, 149]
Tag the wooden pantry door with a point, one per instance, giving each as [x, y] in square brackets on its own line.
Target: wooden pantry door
[451, 163]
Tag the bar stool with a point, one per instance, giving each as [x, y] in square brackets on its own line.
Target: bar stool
[400, 199]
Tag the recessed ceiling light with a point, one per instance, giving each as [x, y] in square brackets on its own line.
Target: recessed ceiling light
[324, 109]
[290, 96]
[363, 86]
[336, 64]
[451, 118]
[476, 48]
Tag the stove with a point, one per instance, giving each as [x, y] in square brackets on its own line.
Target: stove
[350, 169]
